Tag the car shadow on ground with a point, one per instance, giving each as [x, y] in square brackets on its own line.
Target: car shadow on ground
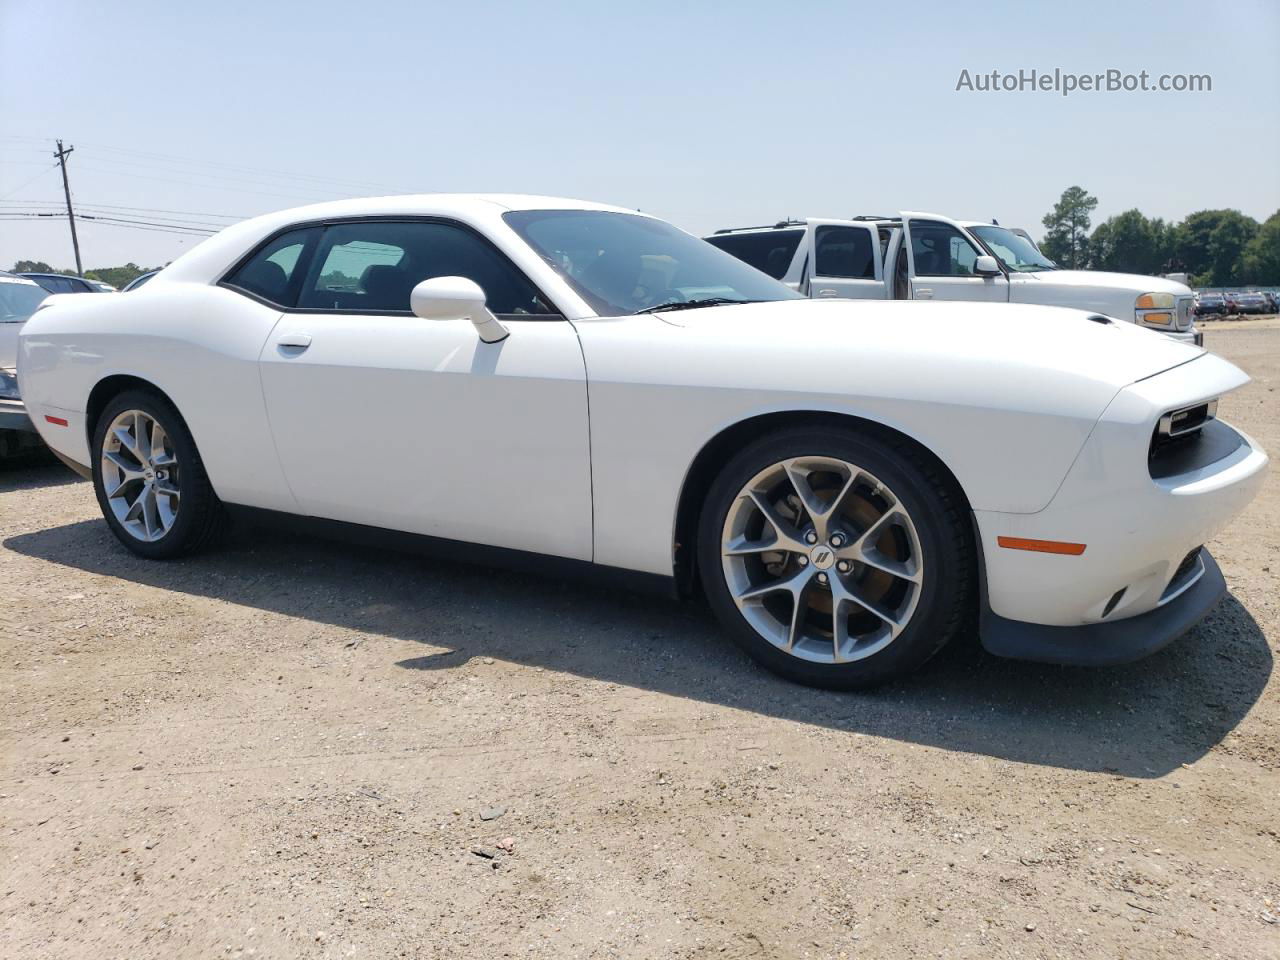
[1139, 720]
[34, 468]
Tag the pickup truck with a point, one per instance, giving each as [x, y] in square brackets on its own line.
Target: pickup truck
[924, 256]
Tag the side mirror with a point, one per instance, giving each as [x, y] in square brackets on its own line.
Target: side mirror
[457, 298]
[986, 266]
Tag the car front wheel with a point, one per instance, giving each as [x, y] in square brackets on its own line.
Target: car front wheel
[837, 559]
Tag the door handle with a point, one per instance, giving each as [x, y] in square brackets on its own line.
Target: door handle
[299, 341]
[826, 292]
[924, 293]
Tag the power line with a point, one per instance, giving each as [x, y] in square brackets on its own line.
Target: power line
[84, 209]
[291, 175]
[206, 186]
[128, 224]
[24, 183]
[116, 206]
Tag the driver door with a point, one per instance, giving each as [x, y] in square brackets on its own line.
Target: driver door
[385, 419]
[940, 260]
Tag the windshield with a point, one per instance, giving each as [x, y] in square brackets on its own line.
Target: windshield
[1015, 252]
[19, 299]
[621, 263]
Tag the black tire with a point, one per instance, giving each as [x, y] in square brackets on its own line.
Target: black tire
[200, 517]
[938, 510]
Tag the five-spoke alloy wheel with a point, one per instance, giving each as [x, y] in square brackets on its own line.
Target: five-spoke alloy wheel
[836, 559]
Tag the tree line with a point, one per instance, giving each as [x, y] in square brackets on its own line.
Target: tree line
[118, 277]
[1216, 248]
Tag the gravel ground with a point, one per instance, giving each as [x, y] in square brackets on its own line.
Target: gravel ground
[289, 748]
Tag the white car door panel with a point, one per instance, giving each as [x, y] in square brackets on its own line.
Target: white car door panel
[418, 425]
[846, 261]
[940, 259]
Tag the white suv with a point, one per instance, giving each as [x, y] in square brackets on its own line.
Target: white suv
[923, 256]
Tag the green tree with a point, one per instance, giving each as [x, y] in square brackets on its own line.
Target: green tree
[1211, 245]
[1067, 237]
[1130, 243]
[1262, 255]
[32, 266]
[118, 277]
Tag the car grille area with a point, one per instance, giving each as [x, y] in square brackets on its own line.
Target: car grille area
[1185, 309]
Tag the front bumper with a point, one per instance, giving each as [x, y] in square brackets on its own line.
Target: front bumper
[1192, 336]
[1109, 642]
[1138, 521]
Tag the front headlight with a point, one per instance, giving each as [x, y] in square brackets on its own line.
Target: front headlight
[1154, 310]
[9, 385]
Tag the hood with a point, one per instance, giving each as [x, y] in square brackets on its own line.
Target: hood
[1135, 282]
[1022, 343]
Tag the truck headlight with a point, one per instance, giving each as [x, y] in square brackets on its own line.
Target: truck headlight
[1154, 310]
[8, 385]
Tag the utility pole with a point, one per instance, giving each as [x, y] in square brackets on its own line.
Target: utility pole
[71, 216]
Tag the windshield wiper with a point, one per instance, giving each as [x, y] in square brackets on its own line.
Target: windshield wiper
[693, 304]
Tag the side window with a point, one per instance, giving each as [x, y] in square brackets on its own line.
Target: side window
[940, 250]
[272, 272]
[844, 252]
[371, 267]
[770, 252]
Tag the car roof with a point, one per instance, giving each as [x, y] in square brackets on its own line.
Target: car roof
[214, 254]
[8, 277]
[64, 276]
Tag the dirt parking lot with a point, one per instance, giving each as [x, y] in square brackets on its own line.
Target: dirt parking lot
[290, 748]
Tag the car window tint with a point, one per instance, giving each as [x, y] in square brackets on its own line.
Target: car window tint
[769, 252]
[373, 266]
[271, 272]
[940, 250]
[844, 252]
[620, 263]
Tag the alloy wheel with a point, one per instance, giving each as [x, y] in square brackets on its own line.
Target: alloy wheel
[822, 559]
[140, 475]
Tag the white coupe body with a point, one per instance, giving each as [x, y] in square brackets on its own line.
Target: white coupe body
[579, 435]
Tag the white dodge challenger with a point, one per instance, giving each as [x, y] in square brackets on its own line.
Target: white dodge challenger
[530, 379]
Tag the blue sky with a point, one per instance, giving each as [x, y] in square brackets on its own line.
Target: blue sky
[708, 114]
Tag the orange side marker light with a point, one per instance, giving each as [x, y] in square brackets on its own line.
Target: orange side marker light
[1042, 546]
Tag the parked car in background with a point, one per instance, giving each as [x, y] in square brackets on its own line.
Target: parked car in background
[101, 286]
[65, 283]
[924, 256]
[139, 281]
[1251, 303]
[1273, 300]
[1231, 303]
[848, 484]
[1211, 305]
[19, 299]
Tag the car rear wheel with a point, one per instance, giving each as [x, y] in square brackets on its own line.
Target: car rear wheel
[149, 479]
[836, 559]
